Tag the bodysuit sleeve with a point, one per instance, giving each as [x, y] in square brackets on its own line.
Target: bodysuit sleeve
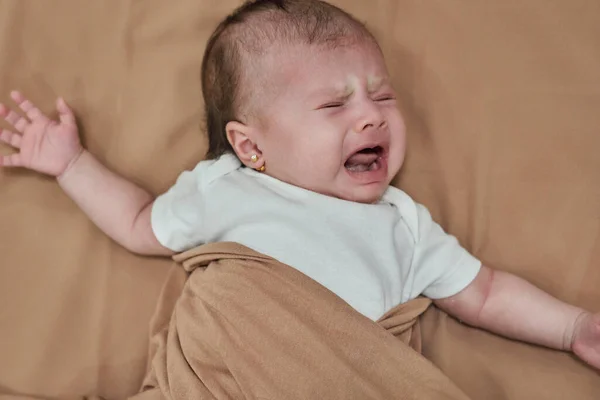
[440, 266]
[178, 214]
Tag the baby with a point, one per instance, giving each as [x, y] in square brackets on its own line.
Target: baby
[304, 139]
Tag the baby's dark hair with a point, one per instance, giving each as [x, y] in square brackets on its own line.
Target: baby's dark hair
[248, 33]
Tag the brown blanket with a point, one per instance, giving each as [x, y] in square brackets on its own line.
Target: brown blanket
[247, 326]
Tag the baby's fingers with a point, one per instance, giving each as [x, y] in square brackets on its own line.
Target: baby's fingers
[10, 138]
[27, 106]
[64, 112]
[13, 118]
[12, 160]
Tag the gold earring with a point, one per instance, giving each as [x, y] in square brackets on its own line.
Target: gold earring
[254, 158]
[261, 169]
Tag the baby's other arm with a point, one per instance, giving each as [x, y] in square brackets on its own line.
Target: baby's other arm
[118, 207]
[510, 306]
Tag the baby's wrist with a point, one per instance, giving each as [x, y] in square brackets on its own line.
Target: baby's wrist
[70, 165]
[573, 330]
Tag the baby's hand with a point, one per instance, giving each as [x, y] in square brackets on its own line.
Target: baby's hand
[44, 145]
[586, 339]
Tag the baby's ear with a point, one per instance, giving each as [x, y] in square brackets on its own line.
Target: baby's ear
[242, 138]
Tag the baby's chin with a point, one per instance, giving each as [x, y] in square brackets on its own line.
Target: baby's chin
[367, 194]
[367, 198]
[350, 191]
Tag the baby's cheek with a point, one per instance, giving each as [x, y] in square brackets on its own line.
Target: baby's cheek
[322, 166]
[396, 125]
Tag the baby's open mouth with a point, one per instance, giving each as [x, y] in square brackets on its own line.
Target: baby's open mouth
[365, 160]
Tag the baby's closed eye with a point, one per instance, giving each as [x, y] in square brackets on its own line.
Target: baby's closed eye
[332, 105]
[385, 97]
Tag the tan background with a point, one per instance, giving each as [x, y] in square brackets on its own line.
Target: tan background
[502, 100]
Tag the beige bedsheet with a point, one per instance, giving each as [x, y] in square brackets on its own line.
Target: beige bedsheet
[502, 100]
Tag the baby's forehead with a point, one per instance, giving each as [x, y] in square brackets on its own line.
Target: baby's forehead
[307, 72]
[283, 65]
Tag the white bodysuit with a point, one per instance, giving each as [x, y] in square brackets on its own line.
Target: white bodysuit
[373, 256]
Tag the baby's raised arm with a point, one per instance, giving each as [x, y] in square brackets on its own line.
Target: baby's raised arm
[118, 207]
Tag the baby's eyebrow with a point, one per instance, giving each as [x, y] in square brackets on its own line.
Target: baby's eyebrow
[376, 82]
[336, 93]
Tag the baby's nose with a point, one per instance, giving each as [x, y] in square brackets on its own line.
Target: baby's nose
[371, 118]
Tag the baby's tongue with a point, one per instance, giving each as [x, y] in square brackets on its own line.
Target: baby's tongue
[361, 162]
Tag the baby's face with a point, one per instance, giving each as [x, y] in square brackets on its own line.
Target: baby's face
[332, 124]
